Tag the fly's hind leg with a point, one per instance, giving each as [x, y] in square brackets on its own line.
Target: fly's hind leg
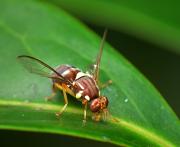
[65, 101]
[54, 91]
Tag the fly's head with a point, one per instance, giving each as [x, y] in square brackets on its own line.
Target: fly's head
[99, 108]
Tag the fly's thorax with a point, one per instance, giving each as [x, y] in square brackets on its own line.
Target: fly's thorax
[85, 87]
[67, 71]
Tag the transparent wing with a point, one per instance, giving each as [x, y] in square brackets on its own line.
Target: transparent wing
[36, 66]
[90, 69]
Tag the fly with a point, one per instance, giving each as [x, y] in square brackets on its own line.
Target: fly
[84, 87]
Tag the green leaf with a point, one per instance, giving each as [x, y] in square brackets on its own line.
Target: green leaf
[154, 21]
[139, 114]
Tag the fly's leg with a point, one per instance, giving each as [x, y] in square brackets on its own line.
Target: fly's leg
[54, 91]
[65, 101]
[105, 114]
[104, 85]
[96, 116]
[85, 113]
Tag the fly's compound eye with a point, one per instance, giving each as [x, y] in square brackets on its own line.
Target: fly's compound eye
[95, 105]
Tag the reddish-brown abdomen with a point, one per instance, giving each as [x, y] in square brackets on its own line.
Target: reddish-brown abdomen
[95, 105]
[67, 71]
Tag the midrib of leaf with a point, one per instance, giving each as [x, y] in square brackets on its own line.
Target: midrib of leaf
[146, 134]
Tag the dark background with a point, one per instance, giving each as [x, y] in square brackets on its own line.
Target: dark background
[30, 139]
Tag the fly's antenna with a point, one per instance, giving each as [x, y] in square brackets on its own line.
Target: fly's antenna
[98, 59]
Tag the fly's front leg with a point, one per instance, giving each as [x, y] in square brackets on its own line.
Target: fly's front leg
[54, 91]
[85, 111]
[105, 114]
[65, 101]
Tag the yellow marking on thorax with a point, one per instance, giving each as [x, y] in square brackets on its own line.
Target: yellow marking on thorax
[67, 89]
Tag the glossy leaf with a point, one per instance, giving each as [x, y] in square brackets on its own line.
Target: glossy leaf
[139, 115]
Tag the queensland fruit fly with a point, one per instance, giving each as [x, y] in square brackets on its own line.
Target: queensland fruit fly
[84, 87]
